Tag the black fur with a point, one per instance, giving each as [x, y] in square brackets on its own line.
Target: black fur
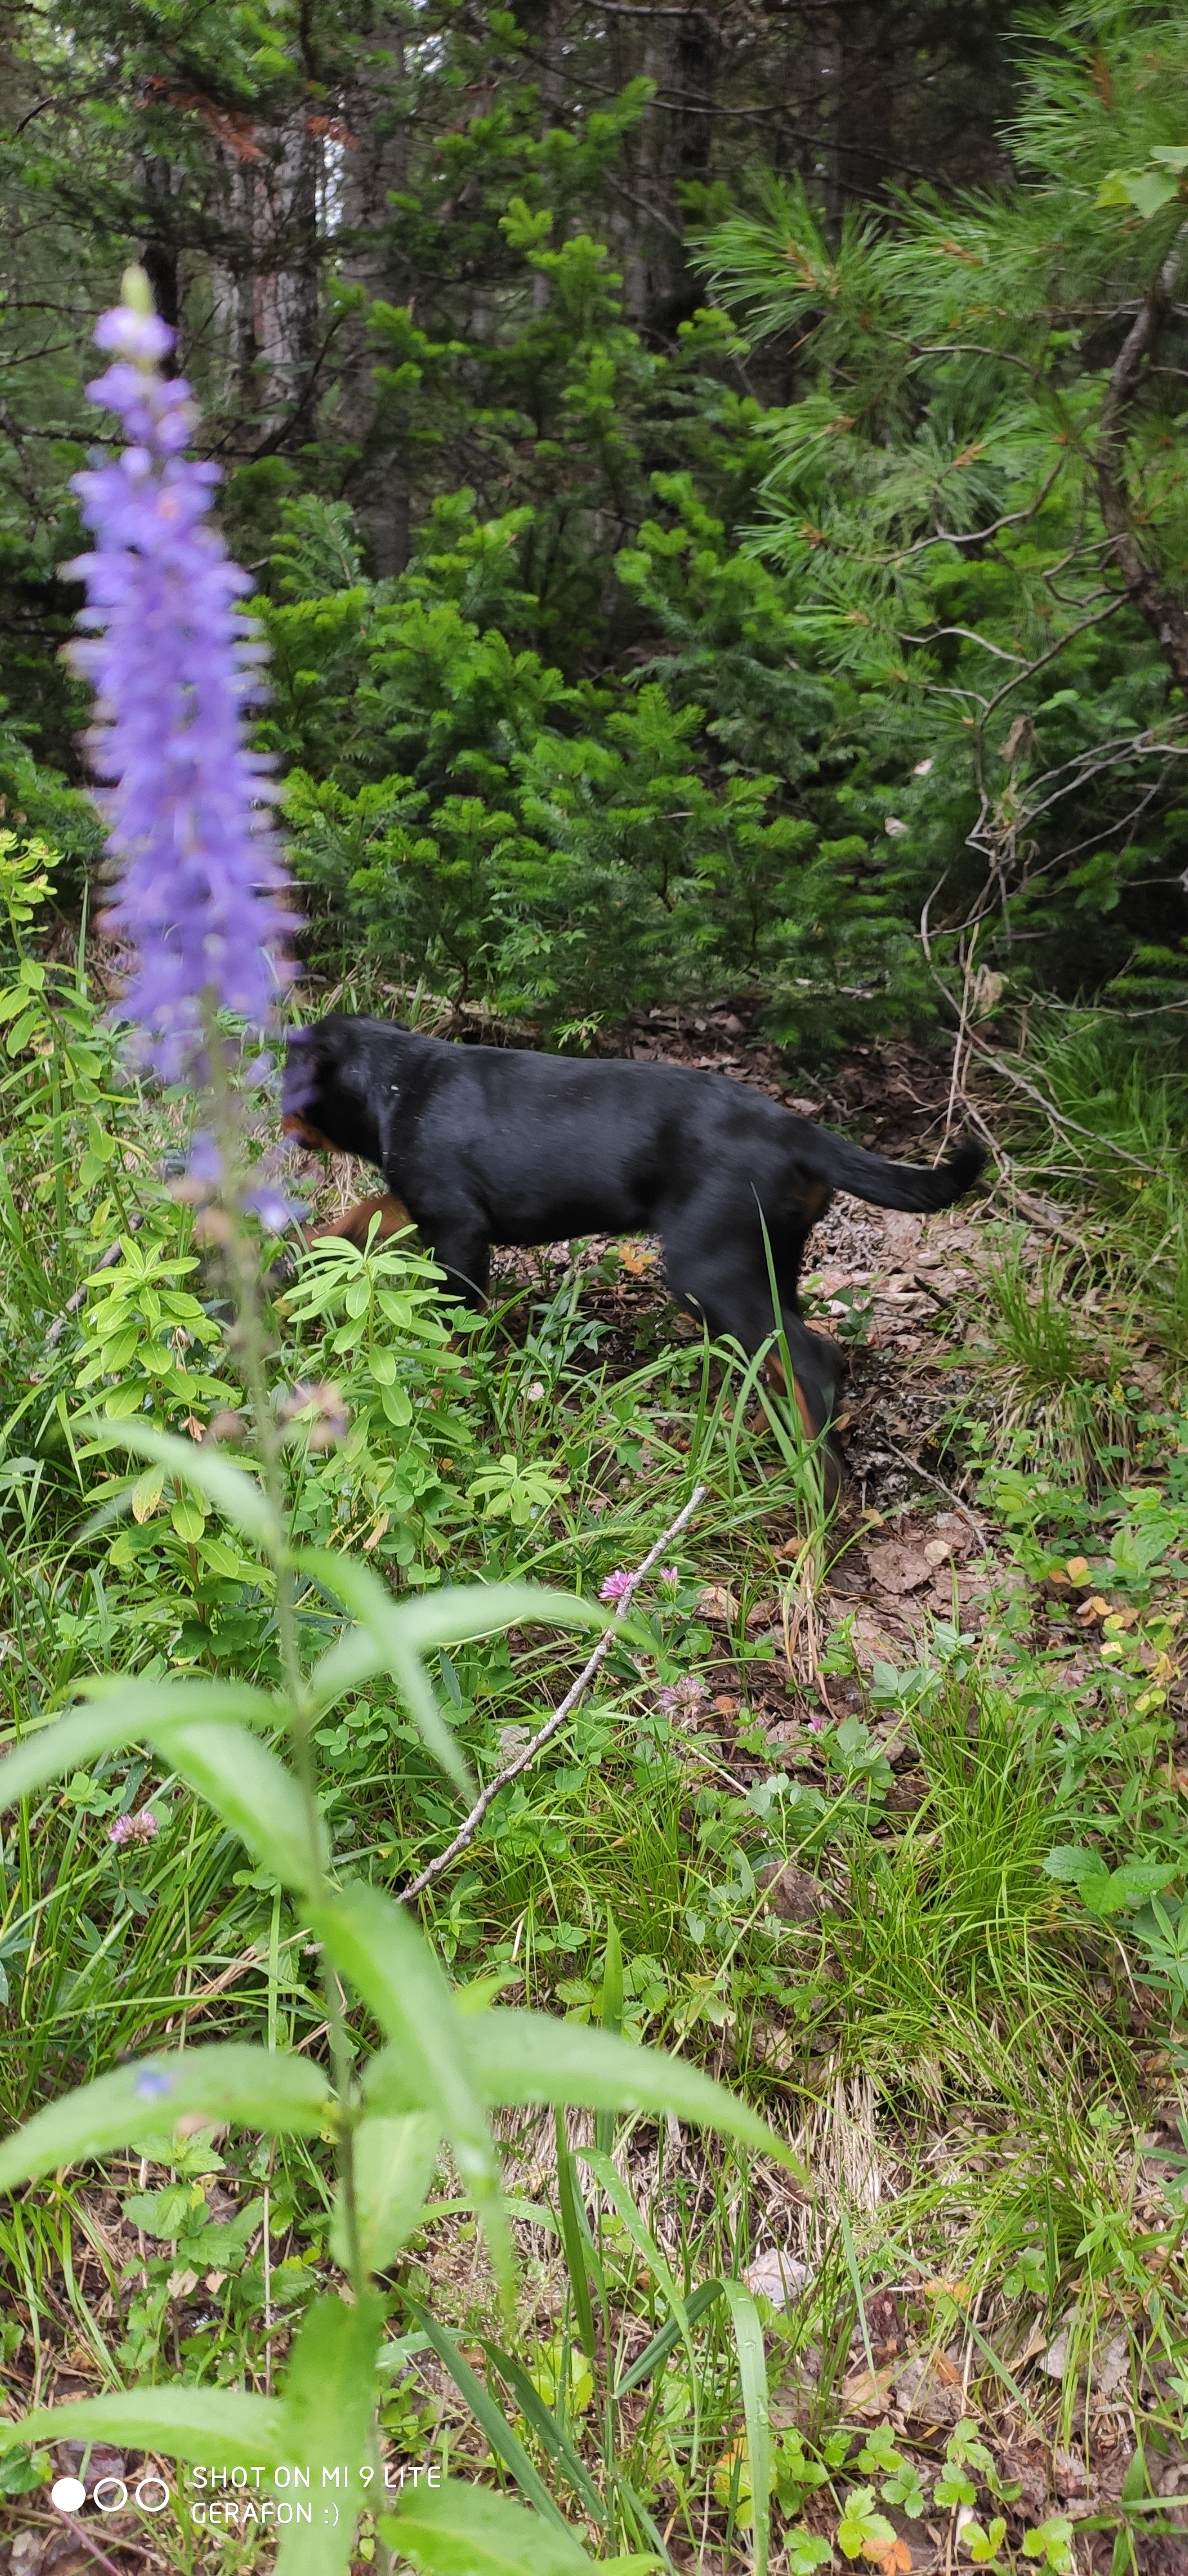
[492, 1145]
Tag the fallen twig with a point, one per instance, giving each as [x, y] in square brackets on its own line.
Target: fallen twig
[926, 1472]
[511, 1770]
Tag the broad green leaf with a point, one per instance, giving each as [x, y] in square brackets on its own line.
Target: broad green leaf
[236, 1494]
[523, 2057]
[219, 2425]
[127, 1713]
[393, 1649]
[752, 2367]
[1073, 1863]
[504, 2440]
[394, 2162]
[390, 1963]
[253, 1793]
[410, 1629]
[1151, 191]
[258, 2088]
[329, 2401]
[461, 2530]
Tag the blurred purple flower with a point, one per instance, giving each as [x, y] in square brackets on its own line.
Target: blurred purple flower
[616, 1585]
[202, 890]
[206, 1160]
[139, 1828]
[274, 1210]
[152, 2082]
[299, 1081]
[670, 1574]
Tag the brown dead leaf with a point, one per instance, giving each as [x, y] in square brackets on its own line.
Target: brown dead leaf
[1091, 1611]
[867, 2392]
[921, 2393]
[718, 1602]
[794, 1894]
[897, 1568]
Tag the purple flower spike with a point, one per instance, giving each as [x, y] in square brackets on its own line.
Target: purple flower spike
[202, 890]
[616, 1585]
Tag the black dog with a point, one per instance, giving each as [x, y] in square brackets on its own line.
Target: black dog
[484, 1145]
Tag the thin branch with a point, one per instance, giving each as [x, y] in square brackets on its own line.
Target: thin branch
[1163, 614]
[575, 1692]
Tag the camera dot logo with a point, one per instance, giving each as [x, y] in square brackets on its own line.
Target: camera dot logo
[68, 2494]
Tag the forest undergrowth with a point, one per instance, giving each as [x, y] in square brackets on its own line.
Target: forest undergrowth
[880, 1820]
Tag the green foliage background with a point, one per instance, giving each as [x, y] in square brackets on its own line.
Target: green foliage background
[623, 648]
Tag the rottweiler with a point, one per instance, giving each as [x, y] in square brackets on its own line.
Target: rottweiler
[481, 1145]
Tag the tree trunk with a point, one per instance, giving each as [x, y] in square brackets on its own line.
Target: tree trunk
[682, 56]
[375, 164]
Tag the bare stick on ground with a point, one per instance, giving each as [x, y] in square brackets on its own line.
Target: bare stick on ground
[575, 1692]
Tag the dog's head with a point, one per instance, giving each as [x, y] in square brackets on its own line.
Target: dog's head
[336, 1092]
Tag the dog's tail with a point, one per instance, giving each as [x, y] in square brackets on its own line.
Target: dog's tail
[891, 1185]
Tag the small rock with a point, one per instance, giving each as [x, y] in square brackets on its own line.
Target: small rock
[937, 1551]
[776, 2276]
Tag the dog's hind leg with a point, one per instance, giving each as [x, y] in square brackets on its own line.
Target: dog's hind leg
[727, 1284]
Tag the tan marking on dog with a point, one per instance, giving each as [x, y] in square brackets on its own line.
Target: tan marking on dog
[817, 1197]
[305, 1134]
[773, 1370]
[354, 1225]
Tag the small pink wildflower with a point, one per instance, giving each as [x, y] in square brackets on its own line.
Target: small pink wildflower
[134, 1829]
[670, 1574]
[685, 1696]
[615, 1585]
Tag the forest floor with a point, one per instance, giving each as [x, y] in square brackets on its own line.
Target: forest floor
[819, 1818]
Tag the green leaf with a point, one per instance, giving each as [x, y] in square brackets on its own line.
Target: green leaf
[1150, 191]
[393, 1637]
[663, 2343]
[220, 2425]
[253, 1793]
[752, 2366]
[505, 2443]
[548, 2430]
[1074, 1863]
[394, 2162]
[329, 2401]
[391, 1965]
[612, 2183]
[258, 2088]
[236, 1494]
[462, 2530]
[128, 1713]
[390, 1648]
[574, 2239]
[526, 2057]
